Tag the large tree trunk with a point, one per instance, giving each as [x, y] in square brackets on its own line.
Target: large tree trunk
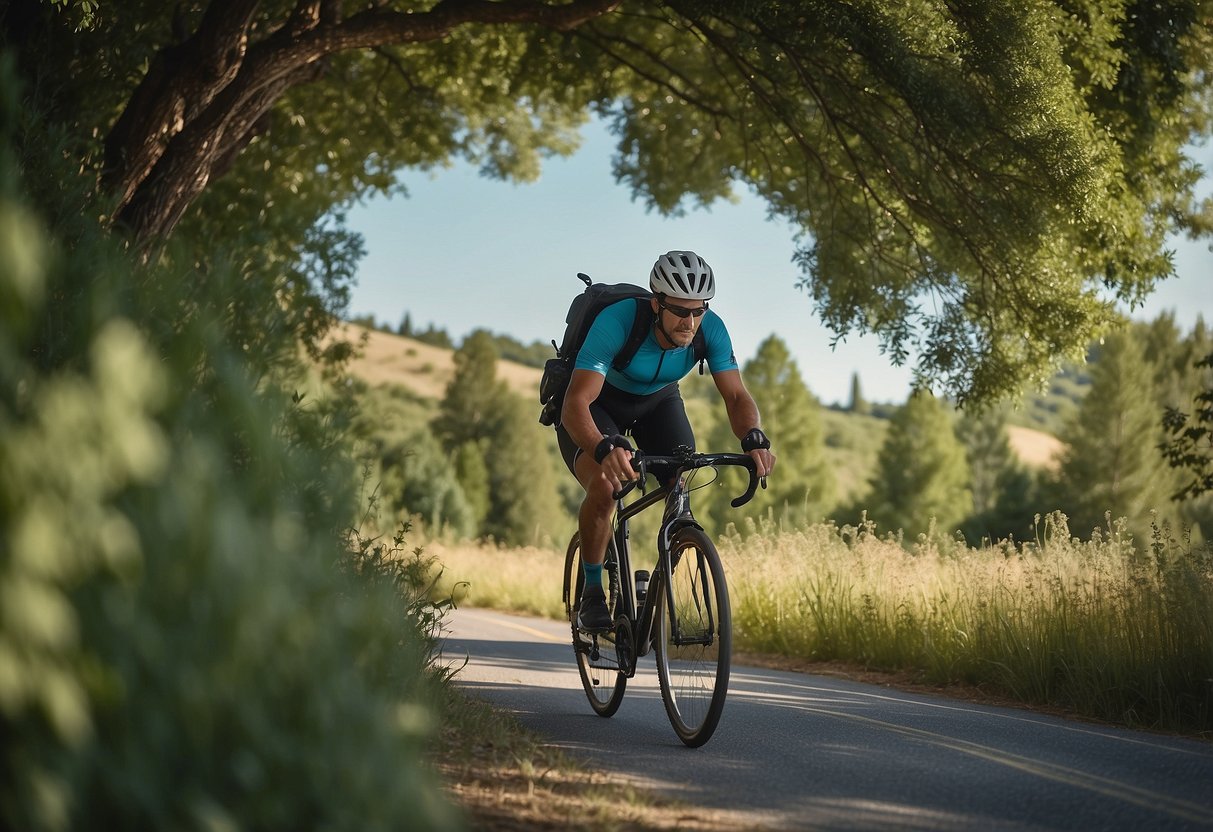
[205, 98]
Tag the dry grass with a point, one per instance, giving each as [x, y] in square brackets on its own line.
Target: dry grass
[1034, 448]
[527, 580]
[422, 368]
[1095, 630]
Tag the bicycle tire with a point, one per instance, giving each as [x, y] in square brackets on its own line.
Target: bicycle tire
[604, 685]
[694, 641]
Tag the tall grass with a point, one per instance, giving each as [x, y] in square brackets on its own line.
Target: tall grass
[527, 579]
[1102, 627]
[1110, 628]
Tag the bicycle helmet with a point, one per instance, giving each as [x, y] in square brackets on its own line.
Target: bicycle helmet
[682, 274]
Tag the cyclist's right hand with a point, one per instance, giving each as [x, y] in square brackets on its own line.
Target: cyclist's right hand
[617, 462]
[617, 468]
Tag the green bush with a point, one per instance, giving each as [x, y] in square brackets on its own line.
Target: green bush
[185, 640]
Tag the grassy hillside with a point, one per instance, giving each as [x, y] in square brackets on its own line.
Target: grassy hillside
[384, 358]
[852, 440]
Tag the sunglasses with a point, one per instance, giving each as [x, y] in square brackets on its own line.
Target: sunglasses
[682, 311]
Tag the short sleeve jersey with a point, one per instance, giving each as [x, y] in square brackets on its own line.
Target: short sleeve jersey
[653, 368]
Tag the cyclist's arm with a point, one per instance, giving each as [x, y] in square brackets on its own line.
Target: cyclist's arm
[743, 414]
[740, 405]
[584, 388]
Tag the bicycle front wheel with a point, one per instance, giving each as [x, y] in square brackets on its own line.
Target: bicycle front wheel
[694, 638]
[597, 655]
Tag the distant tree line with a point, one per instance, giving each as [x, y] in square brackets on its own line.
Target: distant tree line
[958, 468]
[478, 464]
[508, 348]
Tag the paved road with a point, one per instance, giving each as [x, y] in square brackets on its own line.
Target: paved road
[795, 751]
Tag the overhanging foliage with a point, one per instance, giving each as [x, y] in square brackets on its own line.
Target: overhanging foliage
[972, 181]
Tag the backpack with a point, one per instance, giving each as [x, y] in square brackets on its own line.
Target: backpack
[558, 371]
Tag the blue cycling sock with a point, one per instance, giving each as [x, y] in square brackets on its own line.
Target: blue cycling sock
[593, 574]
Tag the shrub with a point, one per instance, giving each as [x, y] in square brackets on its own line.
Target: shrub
[178, 647]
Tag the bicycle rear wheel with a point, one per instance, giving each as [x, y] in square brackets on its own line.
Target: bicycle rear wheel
[597, 655]
[694, 638]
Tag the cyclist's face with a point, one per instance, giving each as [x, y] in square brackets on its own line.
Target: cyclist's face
[681, 327]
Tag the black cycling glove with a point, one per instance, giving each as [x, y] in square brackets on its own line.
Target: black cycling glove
[610, 443]
[755, 440]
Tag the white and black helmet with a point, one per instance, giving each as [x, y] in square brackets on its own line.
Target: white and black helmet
[682, 274]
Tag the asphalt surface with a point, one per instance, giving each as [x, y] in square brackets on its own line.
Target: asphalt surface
[796, 751]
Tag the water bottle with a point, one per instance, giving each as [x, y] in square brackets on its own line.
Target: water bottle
[642, 585]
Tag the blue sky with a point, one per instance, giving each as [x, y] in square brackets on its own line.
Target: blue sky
[462, 251]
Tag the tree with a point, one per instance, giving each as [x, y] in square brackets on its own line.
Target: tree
[410, 472]
[511, 487]
[921, 472]
[1188, 446]
[1001, 487]
[859, 405]
[803, 491]
[1111, 462]
[965, 181]
[524, 506]
[470, 410]
[169, 545]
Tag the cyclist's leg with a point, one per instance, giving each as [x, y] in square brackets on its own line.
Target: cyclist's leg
[594, 518]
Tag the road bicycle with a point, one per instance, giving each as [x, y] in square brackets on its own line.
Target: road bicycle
[680, 609]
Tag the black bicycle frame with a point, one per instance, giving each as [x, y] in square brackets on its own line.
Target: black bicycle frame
[677, 517]
[643, 620]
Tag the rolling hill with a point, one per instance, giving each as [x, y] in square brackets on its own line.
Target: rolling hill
[424, 369]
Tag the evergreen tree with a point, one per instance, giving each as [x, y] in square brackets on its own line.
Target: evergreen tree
[409, 469]
[524, 505]
[1163, 347]
[406, 326]
[1111, 462]
[921, 471]
[512, 488]
[803, 488]
[1002, 488]
[472, 473]
[859, 405]
[471, 408]
[1188, 435]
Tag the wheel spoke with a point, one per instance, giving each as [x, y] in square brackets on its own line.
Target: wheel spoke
[694, 639]
[597, 662]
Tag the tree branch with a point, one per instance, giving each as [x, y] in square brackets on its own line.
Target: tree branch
[181, 81]
[196, 118]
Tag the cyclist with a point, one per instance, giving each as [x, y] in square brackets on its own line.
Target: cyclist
[603, 403]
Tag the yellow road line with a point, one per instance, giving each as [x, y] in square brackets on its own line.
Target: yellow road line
[522, 628]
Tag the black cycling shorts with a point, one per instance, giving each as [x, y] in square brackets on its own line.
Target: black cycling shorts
[657, 422]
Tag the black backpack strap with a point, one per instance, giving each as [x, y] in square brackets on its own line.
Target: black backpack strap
[640, 330]
[700, 345]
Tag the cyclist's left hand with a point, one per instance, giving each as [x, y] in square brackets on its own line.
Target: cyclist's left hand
[764, 461]
[758, 446]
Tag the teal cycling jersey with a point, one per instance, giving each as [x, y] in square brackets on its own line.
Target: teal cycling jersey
[652, 368]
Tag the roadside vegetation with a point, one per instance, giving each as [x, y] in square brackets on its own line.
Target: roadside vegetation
[1105, 628]
[188, 637]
